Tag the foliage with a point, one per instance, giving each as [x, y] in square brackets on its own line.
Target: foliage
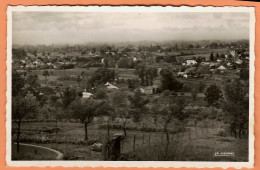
[138, 105]
[100, 94]
[213, 94]
[101, 76]
[18, 83]
[68, 96]
[85, 111]
[244, 74]
[146, 74]
[168, 81]
[120, 104]
[236, 106]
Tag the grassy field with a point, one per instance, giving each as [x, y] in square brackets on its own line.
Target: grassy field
[195, 143]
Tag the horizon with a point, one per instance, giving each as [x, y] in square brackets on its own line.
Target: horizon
[47, 28]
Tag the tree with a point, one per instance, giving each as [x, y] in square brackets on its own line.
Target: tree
[21, 107]
[213, 94]
[168, 82]
[101, 76]
[236, 106]
[244, 74]
[138, 105]
[68, 96]
[120, 105]
[18, 84]
[33, 84]
[85, 111]
[169, 108]
[211, 57]
[45, 74]
[56, 105]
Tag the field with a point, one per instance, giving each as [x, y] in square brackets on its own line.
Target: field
[198, 142]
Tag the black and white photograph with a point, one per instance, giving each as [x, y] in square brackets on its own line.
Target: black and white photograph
[124, 86]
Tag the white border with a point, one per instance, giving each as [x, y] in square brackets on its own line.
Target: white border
[176, 164]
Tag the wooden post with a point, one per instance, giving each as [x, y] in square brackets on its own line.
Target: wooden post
[143, 138]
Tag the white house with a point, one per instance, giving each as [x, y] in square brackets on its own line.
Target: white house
[190, 62]
[110, 86]
[86, 95]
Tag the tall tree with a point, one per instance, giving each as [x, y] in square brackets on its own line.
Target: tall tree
[68, 96]
[85, 111]
[120, 105]
[168, 81]
[236, 106]
[138, 103]
[213, 94]
[21, 107]
[169, 108]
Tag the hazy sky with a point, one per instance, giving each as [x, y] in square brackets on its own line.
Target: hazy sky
[79, 27]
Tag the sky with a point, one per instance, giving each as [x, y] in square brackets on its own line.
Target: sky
[47, 28]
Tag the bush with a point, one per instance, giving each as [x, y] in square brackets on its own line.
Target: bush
[100, 94]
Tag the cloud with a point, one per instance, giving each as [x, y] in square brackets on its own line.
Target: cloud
[79, 27]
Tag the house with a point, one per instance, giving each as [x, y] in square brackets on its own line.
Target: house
[222, 68]
[149, 89]
[190, 62]
[110, 86]
[86, 95]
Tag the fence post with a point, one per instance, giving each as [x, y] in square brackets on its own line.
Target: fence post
[134, 146]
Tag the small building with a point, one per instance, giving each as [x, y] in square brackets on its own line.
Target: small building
[110, 86]
[222, 68]
[149, 89]
[87, 95]
[190, 62]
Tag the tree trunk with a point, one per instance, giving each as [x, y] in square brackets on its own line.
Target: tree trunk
[56, 126]
[18, 135]
[124, 127]
[86, 131]
[108, 135]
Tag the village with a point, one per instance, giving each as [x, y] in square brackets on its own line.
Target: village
[129, 90]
